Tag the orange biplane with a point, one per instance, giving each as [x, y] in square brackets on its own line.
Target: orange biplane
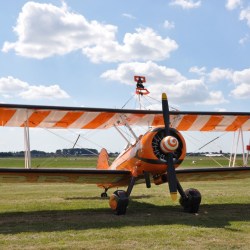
[153, 158]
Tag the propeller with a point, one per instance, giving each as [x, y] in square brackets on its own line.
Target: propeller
[172, 181]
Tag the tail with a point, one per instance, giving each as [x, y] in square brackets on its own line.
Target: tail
[103, 160]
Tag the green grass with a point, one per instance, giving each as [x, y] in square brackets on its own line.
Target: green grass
[83, 162]
[51, 162]
[73, 216]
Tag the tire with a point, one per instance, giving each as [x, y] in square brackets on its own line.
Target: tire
[118, 202]
[104, 195]
[191, 204]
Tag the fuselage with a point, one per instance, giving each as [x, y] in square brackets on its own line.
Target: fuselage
[145, 154]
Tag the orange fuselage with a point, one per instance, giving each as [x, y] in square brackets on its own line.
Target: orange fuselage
[140, 157]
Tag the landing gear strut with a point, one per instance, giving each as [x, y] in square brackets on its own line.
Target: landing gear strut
[119, 199]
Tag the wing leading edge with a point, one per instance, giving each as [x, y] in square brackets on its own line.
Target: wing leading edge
[98, 118]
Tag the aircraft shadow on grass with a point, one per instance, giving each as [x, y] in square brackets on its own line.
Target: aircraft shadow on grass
[139, 214]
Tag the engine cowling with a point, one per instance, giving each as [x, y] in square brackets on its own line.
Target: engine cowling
[176, 144]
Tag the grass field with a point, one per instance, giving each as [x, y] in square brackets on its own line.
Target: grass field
[83, 162]
[73, 216]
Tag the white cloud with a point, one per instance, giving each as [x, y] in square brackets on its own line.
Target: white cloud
[11, 87]
[162, 79]
[242, 91]
[197, 70]
[189, 91]
[233, 4]
[186, 4]
[243, 76]
[168, 25]
[154, 73]
[245, 15]
[218, 74]
[44, 92]
[143, 45]
[10, 84]
[242, 81]
[45, 30]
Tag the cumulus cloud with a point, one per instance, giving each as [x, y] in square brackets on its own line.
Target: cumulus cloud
[11, 87]
[218, 74]
[189, 91]
[144, 45]
[10, 84]
[233, 4]
[162, 79]
[45, 30]
[242, 84]
[243, 76]
[155, 73]
[186, 4]
[242, 91]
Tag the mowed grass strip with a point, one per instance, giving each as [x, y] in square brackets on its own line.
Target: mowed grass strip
[72, 216]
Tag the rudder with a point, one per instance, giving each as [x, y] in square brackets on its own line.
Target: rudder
[103, 160]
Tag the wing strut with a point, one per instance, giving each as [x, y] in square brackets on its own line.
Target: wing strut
[118, 130]
[27, 145]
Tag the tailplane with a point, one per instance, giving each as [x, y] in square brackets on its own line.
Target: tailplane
[103, 160]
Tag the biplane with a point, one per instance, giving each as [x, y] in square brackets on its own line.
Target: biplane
[153, 157]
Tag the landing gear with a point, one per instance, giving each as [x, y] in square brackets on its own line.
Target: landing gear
[118, 202]
[104, 194]
[191, 201]
[119, 199]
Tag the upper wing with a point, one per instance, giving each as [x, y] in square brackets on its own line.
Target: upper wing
[98, 118]
[212, 174]
[80, 176]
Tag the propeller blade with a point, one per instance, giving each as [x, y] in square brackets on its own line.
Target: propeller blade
[172, 181]
[165, 110]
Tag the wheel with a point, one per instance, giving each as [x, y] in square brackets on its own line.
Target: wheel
[118, 202]
[192, 201]
[104, 195]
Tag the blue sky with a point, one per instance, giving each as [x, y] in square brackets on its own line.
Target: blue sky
[85, 53]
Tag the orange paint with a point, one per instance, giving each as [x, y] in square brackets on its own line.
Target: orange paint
[36, 118]
[68, 119]
[99, 120]
[212, 123]
[186, 122]
[237, 123]
[6, 115]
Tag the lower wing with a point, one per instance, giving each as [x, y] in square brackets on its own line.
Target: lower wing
[212, 174]
[113, 178]
[80, 176]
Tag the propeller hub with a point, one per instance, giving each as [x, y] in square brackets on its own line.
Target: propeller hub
[169, 144]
